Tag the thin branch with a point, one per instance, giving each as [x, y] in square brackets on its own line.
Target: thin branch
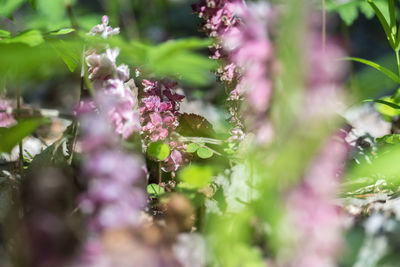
[200, 140]
[20, 145]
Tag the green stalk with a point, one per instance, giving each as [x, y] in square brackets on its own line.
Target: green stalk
[20, 145]
[384, 24]
[392, 14]
[398, 60]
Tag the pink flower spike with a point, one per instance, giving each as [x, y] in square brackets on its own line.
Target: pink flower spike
[105, 20]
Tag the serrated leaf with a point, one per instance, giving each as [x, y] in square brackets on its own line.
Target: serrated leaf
[192, 147]
[158, 150]
[154, 190]
[195, 176]
[204, 153]
[195, 125]
[10, 137]
[62, 31]
[378, 67]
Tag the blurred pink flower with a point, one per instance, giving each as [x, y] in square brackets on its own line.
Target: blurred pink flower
[103, 29]
[313, 210]
[6, 118]
[115, 81]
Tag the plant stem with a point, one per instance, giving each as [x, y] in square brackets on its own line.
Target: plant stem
[200, 140]
[72, 18]
[398, 60]
[159, 177]
[20, 145]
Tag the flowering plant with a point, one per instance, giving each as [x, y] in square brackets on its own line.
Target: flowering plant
[251, 144]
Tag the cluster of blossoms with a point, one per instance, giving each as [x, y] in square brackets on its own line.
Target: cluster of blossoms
[115, 178]
[220, 19]
[313, 209]
[6, 118]
[159, 111]
[312, 204]
[252, 51]
[243, 45]
[111, 199]
[115, 195]
[114, 81]
[110, 194]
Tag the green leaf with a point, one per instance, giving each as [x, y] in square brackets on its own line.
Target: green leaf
[10, 137]
[154, 190]
[348, 11]
[392, 15]
[367, 10]
[53, 11]
[57, 153]
[384, 70]
[62, 31]
[158, 150]
[33, 3]
[4, 34]
[177, 59]
[204, 153]
[389, 139]
[385, 167]
[348, 14]
[69, 61]
[66, 55]
[384, 23]
[387, 103]
[31, 38]
[192, 147]
[195, 176]
[7, 7]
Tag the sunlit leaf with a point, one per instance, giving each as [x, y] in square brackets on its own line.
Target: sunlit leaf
[158, 150]
[62, 31]
[154, 190]
[195, 176]
[192, 147]
[383, 70]
[204, 153]
[4, 34]
[31, 38]
[66, 55]
[389, 139]
[386, 106]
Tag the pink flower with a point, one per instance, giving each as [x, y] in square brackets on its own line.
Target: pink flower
[114, 81]
[313, 211]
[104, 29]
[6, 118]
[159, 112]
